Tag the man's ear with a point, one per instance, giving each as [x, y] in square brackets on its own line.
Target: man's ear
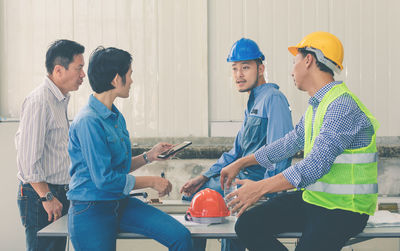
[58, 71]
[115, 80]
[261, 69]
[309, 59]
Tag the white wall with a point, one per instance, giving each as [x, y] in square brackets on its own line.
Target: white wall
[12, 236]
[368, 29]
[182, 81]
[168, 40]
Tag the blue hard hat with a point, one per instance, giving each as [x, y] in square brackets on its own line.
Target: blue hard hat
[244, 49]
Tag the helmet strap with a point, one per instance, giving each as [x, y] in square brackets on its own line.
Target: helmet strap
[257, 74]
[322, 59]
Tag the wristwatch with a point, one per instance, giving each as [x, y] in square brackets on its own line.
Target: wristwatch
[146, 159]
[49, 196]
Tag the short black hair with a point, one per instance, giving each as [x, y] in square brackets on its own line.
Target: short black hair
[62, 52]
[105, 64]
[320, 65]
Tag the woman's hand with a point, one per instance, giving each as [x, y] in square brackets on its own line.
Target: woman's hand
[157, 150]
[162, 186]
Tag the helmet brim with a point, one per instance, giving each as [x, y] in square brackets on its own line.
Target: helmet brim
[232, 59]
[293, 50]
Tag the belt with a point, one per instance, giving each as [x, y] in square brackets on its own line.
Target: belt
[63, 186]
[54, 186]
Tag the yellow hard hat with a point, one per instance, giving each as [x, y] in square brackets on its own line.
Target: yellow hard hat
[327, 44]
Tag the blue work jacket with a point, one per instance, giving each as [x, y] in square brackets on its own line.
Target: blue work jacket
[267, 118]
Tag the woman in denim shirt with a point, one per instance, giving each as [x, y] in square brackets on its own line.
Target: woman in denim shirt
[101, 161]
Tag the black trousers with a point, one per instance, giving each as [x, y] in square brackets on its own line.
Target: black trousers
[322, 229]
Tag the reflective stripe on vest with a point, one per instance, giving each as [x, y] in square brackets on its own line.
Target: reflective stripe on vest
[343, 188]
[352, 158]
[356, 158]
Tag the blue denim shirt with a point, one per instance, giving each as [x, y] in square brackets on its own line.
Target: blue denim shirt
[267, 118]
[100, 152]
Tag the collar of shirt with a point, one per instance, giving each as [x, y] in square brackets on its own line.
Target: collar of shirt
[102, 110]
[260, 89]
[319, 95]
[257, 91]
[56, 91]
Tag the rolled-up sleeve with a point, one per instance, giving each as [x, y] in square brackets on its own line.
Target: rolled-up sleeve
[130, 184]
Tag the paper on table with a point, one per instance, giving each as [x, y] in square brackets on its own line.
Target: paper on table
[383, 218]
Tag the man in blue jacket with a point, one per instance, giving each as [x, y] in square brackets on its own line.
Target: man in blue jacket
[267, 118]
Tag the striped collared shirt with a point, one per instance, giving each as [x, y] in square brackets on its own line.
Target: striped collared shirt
[42, 136]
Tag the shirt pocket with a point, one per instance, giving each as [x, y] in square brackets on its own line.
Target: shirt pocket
[114, 145]
[117, 150]
[254, 131]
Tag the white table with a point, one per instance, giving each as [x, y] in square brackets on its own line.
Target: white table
[214, 231]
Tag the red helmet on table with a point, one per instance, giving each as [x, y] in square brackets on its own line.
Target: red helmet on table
[207, 206]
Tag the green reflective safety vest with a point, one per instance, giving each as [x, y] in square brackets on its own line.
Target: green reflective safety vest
[351, 184]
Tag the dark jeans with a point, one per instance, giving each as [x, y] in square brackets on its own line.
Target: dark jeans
[93, 225]
[34, 217]
[322, 229]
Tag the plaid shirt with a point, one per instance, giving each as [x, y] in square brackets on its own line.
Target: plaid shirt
[345, 126]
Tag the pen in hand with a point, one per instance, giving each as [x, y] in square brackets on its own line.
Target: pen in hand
[163, 176]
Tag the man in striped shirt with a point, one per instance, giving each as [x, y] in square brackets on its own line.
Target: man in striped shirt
[42, 141]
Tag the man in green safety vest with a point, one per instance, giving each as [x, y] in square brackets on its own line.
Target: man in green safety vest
[337, 179]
